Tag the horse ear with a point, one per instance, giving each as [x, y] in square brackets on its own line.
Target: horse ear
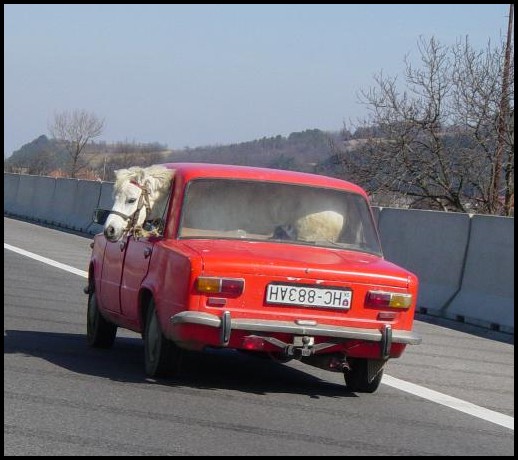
[120, 173]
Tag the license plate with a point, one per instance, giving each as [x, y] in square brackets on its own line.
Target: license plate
[309, 296]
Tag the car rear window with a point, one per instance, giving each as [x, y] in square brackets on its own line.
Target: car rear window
[278, 212]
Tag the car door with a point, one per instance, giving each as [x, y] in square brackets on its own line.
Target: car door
[126, 263]
[136, 265]
[113, 264]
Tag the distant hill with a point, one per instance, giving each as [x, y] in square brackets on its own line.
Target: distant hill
[301, 151]
[41, 151]
[35, 147]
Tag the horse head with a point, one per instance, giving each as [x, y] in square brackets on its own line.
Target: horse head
[139, 194]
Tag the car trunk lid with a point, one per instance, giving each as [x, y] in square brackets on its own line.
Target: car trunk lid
[296, 261]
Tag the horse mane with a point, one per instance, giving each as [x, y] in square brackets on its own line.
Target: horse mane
[156, 177]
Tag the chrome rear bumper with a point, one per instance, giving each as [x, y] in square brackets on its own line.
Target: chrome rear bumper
[385, 334]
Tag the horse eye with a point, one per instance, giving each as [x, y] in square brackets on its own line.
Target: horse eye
[132, 200]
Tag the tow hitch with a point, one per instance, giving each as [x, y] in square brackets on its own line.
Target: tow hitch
[302, 346]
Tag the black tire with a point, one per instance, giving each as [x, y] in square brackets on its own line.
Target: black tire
[357, 377]
[99, 332]
[161, 356]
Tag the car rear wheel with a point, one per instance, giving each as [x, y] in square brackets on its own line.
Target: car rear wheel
[161, 356]
[357, 378]
[99, 332]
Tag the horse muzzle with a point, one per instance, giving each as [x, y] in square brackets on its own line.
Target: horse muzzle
[112, 234]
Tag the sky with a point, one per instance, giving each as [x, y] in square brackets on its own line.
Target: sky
[197, 75]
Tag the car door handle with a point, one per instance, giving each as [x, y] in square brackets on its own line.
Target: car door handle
[122, 245]
[147, 252]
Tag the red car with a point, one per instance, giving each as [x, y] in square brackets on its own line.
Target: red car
[278, 263]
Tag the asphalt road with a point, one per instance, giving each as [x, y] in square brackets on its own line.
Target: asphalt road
[63, 398]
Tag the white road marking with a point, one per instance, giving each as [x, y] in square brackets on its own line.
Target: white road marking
[65, 267]
[449, 401]
[416, 390]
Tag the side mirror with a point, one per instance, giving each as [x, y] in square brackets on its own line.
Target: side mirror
[100, 216]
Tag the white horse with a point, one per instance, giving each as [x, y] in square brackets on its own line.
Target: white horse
[140, 195]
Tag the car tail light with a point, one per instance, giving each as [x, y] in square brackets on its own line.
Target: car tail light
[215, 285]
[253, 342]
[382, 299]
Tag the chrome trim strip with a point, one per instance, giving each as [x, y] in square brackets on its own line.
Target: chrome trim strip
[204, 319]
[373, 335]
[408, 337]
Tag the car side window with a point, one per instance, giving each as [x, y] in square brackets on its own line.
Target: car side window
[155, 225]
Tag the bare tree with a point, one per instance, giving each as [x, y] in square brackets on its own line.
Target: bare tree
[505, 119]
[75, 129]
[436, 135]
[482, 95]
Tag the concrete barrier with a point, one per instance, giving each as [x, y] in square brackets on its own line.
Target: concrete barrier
[43, 199]
[376, 214]
[432, 245]
[25, 196]
[87, 197]
[11, 183]
[486, 297]
[105, 202]
[64, 202]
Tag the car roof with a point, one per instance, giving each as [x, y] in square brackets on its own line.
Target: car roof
[191, 171]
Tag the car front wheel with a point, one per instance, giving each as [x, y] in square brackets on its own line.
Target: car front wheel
[99, 332]
[161, 356]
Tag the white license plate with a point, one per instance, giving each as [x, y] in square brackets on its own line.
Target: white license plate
[309, 296]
